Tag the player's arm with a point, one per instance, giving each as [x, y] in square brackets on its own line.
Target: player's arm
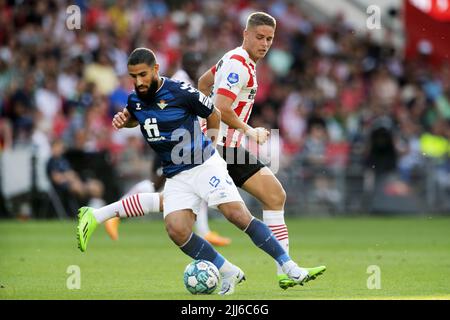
[203, 107]
[124, 119]
[205, 82]
[212, 125]
[224, 104]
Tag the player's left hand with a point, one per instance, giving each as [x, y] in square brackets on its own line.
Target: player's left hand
[260, 135]
[263, 135]
[120, 119]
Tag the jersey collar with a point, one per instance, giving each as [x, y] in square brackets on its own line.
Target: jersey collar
[247, 56]
[162, 84]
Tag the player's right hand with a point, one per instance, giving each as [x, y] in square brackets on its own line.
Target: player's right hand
[120, 119]
[260, 135]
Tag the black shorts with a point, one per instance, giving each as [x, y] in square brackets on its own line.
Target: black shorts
[241, 164]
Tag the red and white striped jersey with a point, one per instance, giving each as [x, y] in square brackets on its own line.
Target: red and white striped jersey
[235, 77]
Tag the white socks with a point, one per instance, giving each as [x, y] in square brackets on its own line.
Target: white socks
[227, 268]
[294, 271]
[275, 221]
[132, 206]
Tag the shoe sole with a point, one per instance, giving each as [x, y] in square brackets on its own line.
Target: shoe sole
[290, 283]
[286, 284]
[313, 277]
[242, 279]
[81, 213]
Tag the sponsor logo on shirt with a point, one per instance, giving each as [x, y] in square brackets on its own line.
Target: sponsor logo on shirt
[233, 78]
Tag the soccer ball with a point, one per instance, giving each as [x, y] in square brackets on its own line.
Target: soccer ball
[201, 277]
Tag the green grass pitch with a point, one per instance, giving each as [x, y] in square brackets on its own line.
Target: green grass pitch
[413, 256]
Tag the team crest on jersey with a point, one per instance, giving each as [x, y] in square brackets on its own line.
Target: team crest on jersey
[162, 104]
[233, 78]
[138, 106]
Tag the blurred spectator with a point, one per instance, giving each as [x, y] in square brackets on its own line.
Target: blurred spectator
[314, 160]
[119, 97]
[189, 68]
[71, 189]
[381, 155]
[411, 159]
[102, 73]
[435, 146]
[77, 79]
[48, 102]
[20, 111]
[6, 138]
[133, 164]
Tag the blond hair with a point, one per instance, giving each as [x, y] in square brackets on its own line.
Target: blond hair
[260, 19]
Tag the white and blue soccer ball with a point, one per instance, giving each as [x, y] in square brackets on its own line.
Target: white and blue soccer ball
[201, 277]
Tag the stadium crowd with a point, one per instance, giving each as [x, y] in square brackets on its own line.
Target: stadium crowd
[338, 98]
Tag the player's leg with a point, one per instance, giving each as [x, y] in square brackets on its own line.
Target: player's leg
[202, 228]
[263, 238]
[246, 171]
[265, 187]
[201, 224]
[180, 202]
[179, 228]
[131, 206]
[112, 228]
[112, 224]
[216, 186]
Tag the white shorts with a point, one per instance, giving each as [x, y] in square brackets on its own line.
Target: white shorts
[209, 182]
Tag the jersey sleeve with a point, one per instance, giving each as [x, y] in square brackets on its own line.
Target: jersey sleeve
[129, 107]
[234, 77]
[197, 102]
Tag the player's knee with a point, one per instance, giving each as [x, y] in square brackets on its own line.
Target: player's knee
[178, 233]
[236, 214]
[275, 200]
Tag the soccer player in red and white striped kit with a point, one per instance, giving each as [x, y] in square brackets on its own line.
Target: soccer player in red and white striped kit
[232, 85]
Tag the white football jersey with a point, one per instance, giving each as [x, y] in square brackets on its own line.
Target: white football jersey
[235, 77]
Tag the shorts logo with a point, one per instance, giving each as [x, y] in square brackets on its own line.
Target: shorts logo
[233, 78]
[214, 182]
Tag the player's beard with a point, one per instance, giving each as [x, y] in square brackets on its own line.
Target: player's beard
[150, 93]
